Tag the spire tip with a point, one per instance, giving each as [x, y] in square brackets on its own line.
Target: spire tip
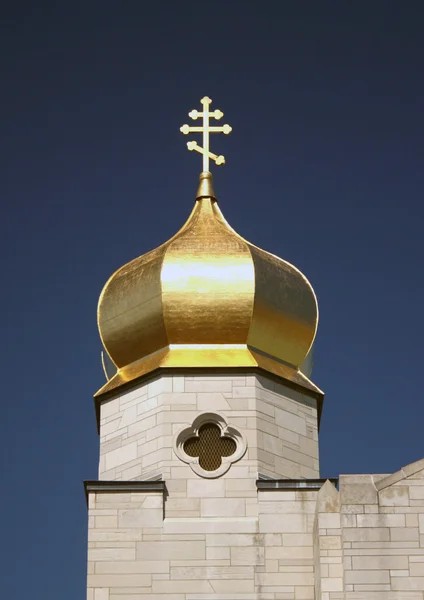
[205, 189]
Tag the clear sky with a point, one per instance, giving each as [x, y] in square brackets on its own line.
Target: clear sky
[324, 168]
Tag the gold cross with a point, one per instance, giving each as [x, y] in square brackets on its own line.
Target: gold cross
[206, 129]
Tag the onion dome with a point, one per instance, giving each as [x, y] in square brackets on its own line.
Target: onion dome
[207, 298]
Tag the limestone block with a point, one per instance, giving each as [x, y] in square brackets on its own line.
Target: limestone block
[141, 517]
[206, 400]
[335, 570]
[404, 534]
[223, 507]
[210, 525]
[369, 595]
[332, 584]
[295, 539]
[108, 554]
[366, 534]
[390, 480]
[265, 408]
[238, 404]
[178, 383]
[416, 492]
[278, 508]
[416, 569]
[293, 523]
[411, 520]
[284, 466]
[304, 593]
[184, 587]
[146, 406]
[356, 577]
[120, 580]
[330, 542]
[232, 588]
[132, 566]
[328, 499]
[308, 446]
[125, 594]
[381, 520]
[289, 436]
[419, 475]
[214, 385]
[218, 553]
[163, 383]
[109, 445]
[142, 425]
[284, 579]
[352, 509]
[180, 506]
[106, 522]
[234, 539]
[132, 473]
[357, 489]
[407, 583]
[414, 467]
[240, 485]
[394, 496]
[290, 421]
[210, 573]
[170, 550]
[379, 562]
[206, 488]
[109, 408]
[297, 457]
[248, 555]
[289, 553]
[329, 521]
[272, 444]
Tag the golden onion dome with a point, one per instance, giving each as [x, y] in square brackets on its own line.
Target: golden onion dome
[207, 298]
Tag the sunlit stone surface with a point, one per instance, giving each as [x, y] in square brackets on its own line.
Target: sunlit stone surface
[225, 539]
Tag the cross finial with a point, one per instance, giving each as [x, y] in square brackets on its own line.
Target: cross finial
[206, 129]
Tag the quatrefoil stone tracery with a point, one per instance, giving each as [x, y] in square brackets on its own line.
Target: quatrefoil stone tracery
[210, 445]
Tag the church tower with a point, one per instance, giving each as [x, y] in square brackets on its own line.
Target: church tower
[208, 484]
[207, 417]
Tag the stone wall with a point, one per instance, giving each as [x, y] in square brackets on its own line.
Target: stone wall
[220, 540]
[138, 428]
[375, 526]
[204, 538]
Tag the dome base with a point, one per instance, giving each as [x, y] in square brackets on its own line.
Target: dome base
[213, 356]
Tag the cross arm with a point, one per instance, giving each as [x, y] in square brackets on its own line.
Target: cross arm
[186, 129]
[216, 114]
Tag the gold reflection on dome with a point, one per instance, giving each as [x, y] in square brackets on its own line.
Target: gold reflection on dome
[207, 298]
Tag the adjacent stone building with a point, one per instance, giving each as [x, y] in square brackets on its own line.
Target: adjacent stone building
[209, 485]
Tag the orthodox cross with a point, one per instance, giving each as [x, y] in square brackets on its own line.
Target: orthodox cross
[206, 129]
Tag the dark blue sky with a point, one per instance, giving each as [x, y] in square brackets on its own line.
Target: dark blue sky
[324, 168]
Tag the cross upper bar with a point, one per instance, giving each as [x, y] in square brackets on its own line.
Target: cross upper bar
[216, 114]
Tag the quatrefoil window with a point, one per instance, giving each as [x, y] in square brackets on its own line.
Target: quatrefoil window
[210, 445]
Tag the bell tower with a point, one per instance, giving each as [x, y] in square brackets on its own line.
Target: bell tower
[209, 467]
